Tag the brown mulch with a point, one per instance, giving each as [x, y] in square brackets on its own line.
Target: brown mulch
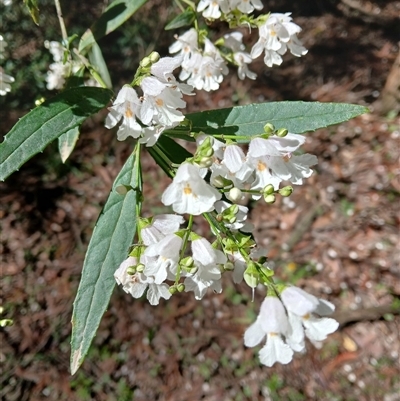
[337, 237]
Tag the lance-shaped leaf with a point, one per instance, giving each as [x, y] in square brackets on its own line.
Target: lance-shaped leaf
[297, 117]
[108, 247]
[184, 19]
[114, 16]
[47, 122]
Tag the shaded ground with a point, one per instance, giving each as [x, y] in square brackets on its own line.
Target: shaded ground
[337, 237]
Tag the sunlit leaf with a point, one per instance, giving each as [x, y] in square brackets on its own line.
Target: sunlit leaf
[297, 117]
[47, 122]
[112, 236]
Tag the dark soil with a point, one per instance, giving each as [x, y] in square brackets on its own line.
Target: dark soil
[337, 237]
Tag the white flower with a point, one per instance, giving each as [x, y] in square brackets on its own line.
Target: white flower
[185, 44]
[210, 8]
[126, 107]
[5, 81]
[293, 167]
[189, 193]
[240, 222]
[234, 41]
[275, 145]
[302, 306]
[162, 257]
[56, 75]
[3, 45]
[277, 34]
[208, 274]
[263, 175]
[272, 323]
[247, 6]
[205, 71]
[56, 49]
[137, 283]
[151, 134]
[161, 226]
[162, 94]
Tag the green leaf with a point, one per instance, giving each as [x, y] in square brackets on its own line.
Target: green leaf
[114, 16]
[97, 60]
[67, 142]
[174, 152]
[297, 117]
[47, 122]
[33, 10]
[109, 246]
[181, 20]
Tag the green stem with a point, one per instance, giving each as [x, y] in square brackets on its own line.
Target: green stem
[184, 246]
[138, 174]
[61, 21]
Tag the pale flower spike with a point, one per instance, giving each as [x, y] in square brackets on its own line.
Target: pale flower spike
[169, 258]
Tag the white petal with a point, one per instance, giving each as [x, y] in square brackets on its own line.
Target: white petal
[318, 329]
[275, 350]
[254, 334]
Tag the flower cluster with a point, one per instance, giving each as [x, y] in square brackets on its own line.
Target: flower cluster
[159, 258]
[5, 80]
[168, 258]
[205, 64]
[286, 321]
[268, 162]
[147, 117]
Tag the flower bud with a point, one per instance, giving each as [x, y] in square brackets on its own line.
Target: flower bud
[282, 132]
[154, 57]
[146, 62]
[205, 162]
[269, 128]
[286, 191]
[270, 198]
[235, 194]
[131, 270]
[268, 189]
[172, 289]
[140, 268]
[6, 322]
[181, 287]
[229, 266]
[219, 182]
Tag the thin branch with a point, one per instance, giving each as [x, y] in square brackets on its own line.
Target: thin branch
[61, 20]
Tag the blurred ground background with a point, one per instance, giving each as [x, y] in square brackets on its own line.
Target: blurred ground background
[337, 236]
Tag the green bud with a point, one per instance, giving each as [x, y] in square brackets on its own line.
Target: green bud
[187, 262]
[154, 57]
[269, 128]
[282, 132]
[146, 62]
[6, 322]
[131, 270]
[286, 191]
[232, 220]
[181, 287]
[140, 268]
[219, 182]
[205, 162]
[270, 198]
[268, 189]
[172, 290]
[229, 266]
